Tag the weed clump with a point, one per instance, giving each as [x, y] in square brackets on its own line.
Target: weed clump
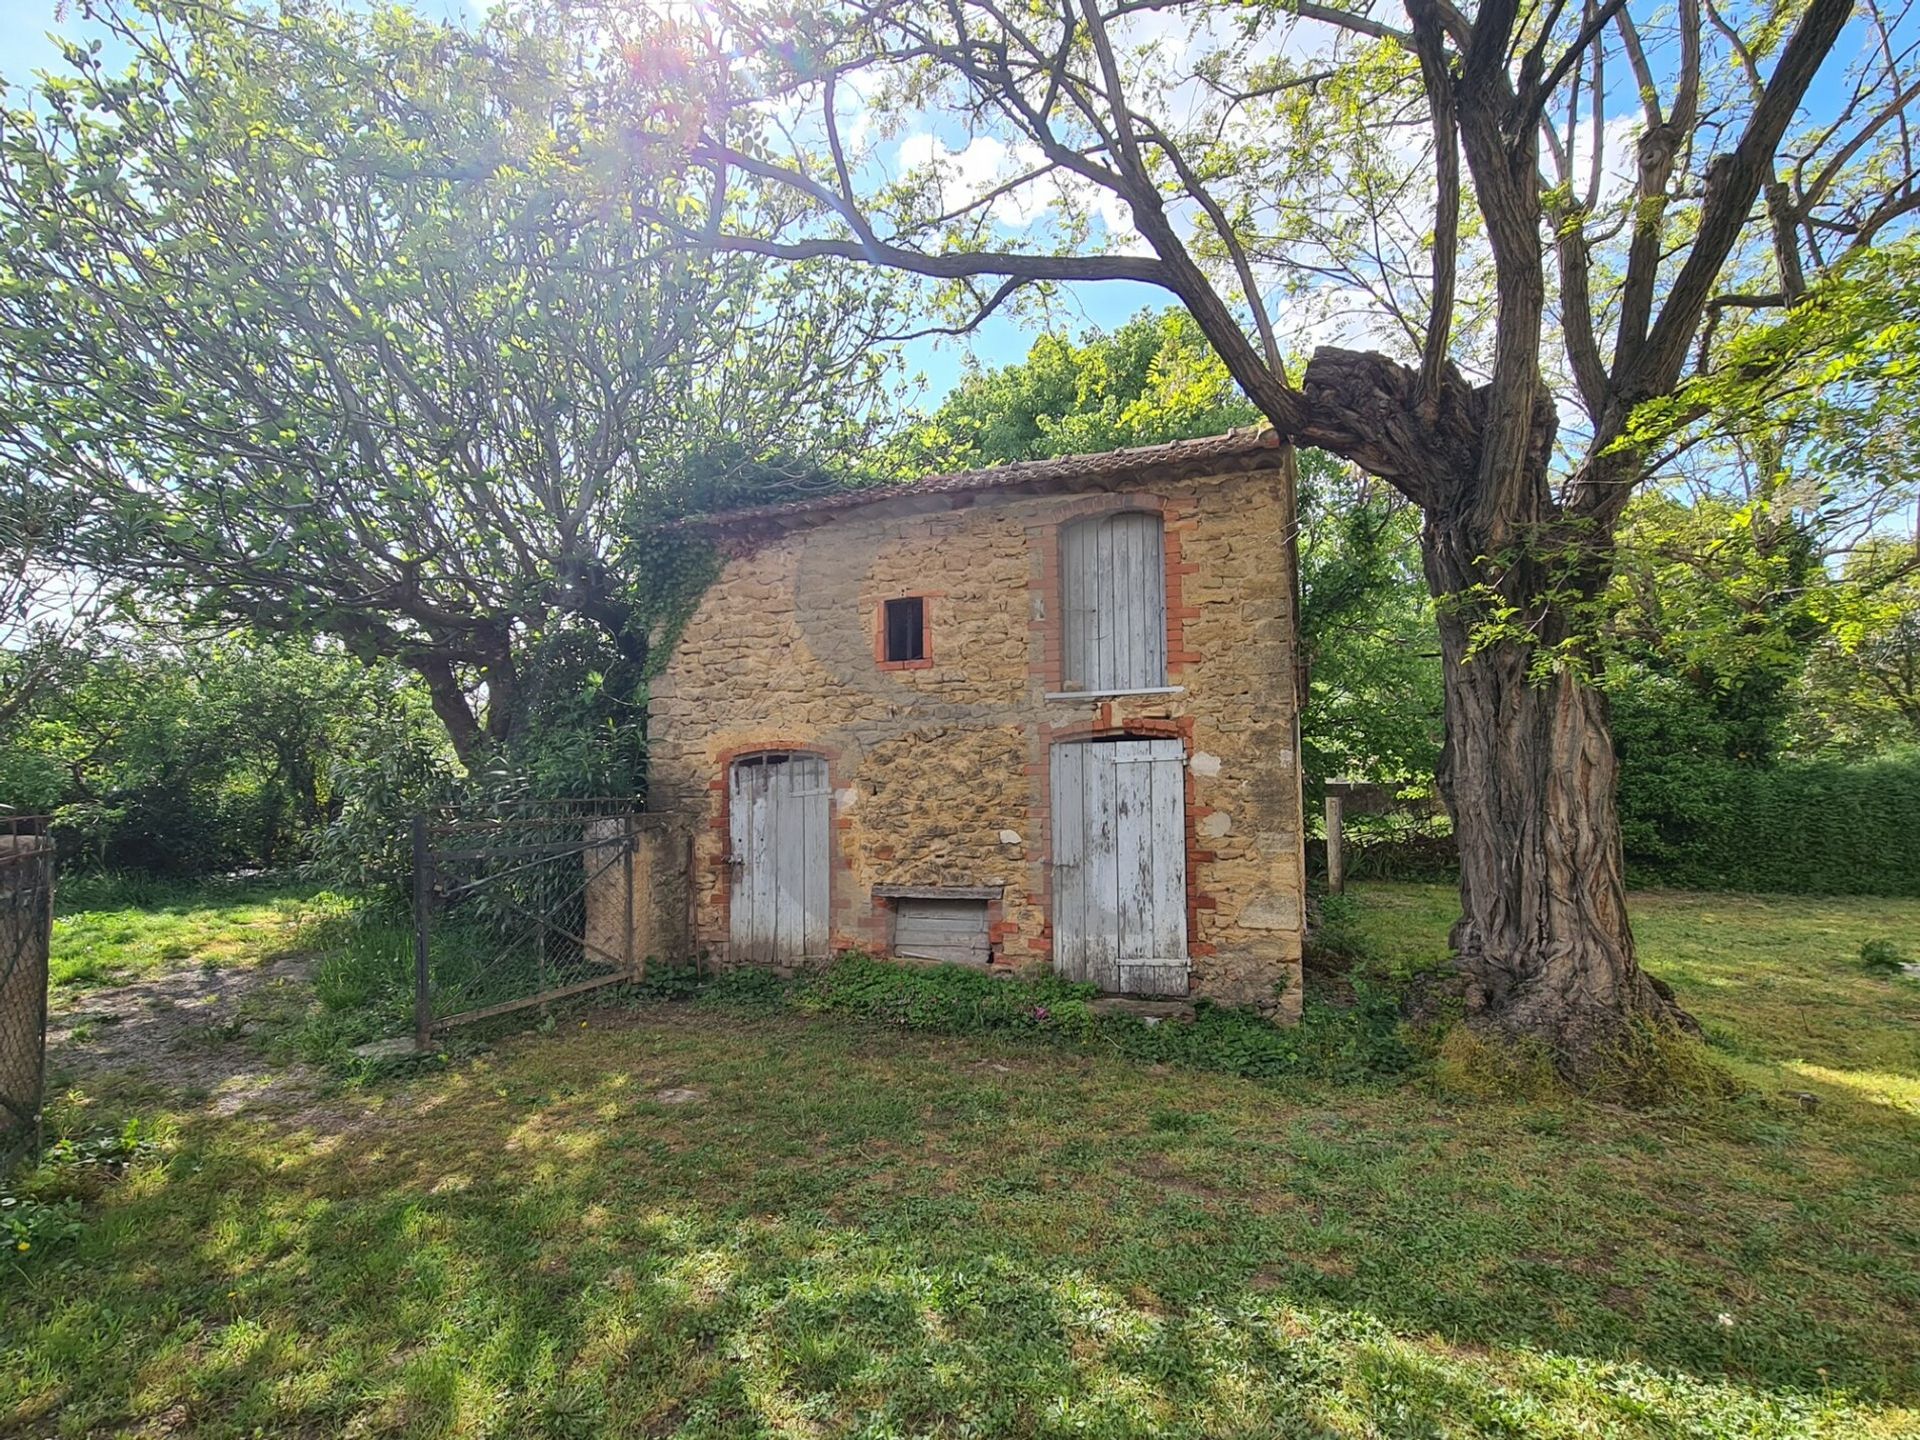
[41, 1208]
[1657, 1066]
[1881, 955]
[1354, 1041]
[951, 999]
[1646, 1067]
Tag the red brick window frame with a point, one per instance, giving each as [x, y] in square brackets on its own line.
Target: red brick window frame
[919, 662]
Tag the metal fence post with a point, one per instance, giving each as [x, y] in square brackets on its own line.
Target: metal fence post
[630, 834]
[422, 929]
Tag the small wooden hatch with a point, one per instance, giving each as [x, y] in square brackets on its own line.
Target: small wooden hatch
[944, 929]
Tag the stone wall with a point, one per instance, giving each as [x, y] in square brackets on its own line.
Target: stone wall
[638, 905]
[940, 771]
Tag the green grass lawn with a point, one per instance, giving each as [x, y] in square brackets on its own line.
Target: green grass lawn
[848, 1230]
[112, 931]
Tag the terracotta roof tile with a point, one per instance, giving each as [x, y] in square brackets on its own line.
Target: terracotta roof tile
[1236, 449]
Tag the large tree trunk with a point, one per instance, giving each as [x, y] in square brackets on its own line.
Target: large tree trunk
[1528, 770]
[1528, 774]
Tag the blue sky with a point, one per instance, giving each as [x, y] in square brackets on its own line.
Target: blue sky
[25, 48]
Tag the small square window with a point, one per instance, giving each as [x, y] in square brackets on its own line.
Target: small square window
[906, 630]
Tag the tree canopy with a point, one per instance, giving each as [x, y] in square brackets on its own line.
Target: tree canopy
[345, 323]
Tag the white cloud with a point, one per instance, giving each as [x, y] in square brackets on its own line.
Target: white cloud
[1619, 157]
[967, 175]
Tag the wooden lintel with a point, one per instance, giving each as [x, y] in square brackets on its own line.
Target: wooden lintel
[938, 892]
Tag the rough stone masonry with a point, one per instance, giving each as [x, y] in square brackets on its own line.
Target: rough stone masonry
[939, 768]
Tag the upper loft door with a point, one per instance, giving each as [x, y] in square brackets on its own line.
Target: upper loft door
[778, 813]
[1120, 865]
[1113, 596]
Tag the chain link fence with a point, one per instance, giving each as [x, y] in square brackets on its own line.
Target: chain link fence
[26, 932]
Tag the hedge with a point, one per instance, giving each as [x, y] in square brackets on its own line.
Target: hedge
[1805, 827]
[1798, 827]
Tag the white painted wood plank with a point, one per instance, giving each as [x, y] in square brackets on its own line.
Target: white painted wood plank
[1100, 586]
[760, 863]
[950, 927]
[1069, 863]
[1117, 591]
[816, 807]
[1135, 576]
[1153, 581]
[1077, 600]
[1169, 821]
[954, 931]
[1133, 852]
[946, 954]
[1102, 873]
[787, 828]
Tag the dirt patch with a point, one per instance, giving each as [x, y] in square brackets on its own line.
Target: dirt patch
[199, 1030]
[1157, 1170]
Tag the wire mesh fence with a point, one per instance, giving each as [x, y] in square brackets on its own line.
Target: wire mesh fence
[519, 905]
[26, 926]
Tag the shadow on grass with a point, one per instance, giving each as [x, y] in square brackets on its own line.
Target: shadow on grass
[852, 1231]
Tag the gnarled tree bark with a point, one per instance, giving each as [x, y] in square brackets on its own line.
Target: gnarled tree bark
[1528, 772]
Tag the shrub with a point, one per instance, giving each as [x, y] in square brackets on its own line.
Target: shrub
[1881, 955]
[1703, 822]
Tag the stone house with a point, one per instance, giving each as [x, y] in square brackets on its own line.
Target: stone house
[1041, 713]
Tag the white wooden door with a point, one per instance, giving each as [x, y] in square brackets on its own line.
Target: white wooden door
[777, 805]
[1120, 865]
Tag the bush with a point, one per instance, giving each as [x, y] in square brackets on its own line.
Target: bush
[1700, 822]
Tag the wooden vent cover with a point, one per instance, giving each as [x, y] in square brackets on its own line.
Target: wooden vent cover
[954, 931]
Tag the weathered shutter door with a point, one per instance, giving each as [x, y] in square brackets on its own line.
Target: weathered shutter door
[1151, 865]
[779, 810]
[1114, 602]
[750, 939]
[1120, 865]
[950, 930]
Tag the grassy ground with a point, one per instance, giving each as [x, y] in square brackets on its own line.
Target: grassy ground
[707, 1220]
[114, 929]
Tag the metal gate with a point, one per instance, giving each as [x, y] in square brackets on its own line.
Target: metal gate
[26, 930]
[519, 905]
